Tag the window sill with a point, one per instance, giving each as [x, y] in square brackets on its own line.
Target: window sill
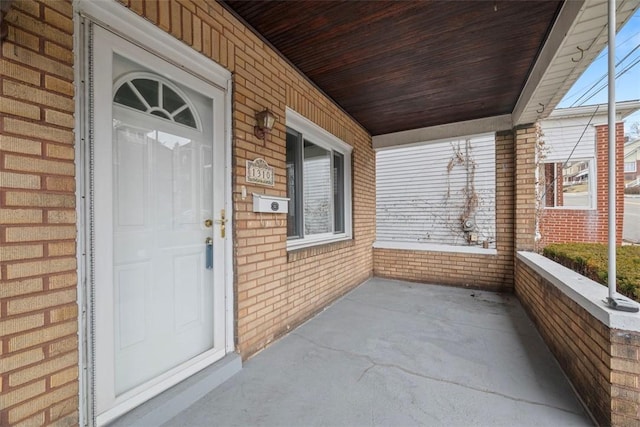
[432, 247]
[570, 208]
[318, 248]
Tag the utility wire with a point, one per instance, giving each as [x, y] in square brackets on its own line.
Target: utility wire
[602, 78]
[602, 54]
[618, 74]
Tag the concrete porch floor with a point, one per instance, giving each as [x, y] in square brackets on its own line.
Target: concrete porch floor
[394, 353]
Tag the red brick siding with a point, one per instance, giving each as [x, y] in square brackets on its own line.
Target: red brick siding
[559, 225]
[459, 269]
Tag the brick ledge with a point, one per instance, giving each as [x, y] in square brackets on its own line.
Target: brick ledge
[587, 293]
[433, 247]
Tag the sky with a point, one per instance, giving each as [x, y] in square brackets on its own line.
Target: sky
[627, 85]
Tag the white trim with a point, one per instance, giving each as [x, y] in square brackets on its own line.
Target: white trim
[585, 292]
[562, 27]
[80, 68]
[623, 109]
[326, 140]
[593, 187]
[134, 397]
[120, 20]
[571, 208]
[143, 34]
[318, 135]
[230, 315]
[129, 77]
[108, 401]
[442, 132]
[315, 240]
[433, 247]
[580, 23]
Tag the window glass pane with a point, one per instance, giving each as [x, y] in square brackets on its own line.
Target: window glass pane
[148, 89]
[171, 101]
[317, 192]
[126, 96]
[185, 117]
[566, 185]
[338, 193]
[294, 219]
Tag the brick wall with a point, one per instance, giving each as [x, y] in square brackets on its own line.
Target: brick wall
[38, 328]
[459, 269]
[603, 364]
[526, 142]
[275, 290]
[553, 195]
[625, 377]
[559, 225]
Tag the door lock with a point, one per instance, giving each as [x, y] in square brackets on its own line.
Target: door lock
[208, 223]
[209, 253]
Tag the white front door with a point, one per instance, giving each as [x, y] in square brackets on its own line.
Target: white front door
[158, 196]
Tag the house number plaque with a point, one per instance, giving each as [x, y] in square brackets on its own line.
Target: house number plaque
[259, 172]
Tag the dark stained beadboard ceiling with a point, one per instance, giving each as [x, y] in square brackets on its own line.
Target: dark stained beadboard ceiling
[401, 65]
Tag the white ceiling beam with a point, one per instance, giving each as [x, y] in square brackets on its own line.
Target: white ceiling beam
[566, 19]
[449, 130]
[576, 39]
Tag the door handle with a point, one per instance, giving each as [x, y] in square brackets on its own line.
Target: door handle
[223, 224]
[209, 253]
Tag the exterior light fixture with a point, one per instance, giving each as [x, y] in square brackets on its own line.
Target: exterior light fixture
[264, 123]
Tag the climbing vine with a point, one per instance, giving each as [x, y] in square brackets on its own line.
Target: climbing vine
[462, 157]
[540, 183]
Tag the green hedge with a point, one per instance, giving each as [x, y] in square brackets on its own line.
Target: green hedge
[591, 260]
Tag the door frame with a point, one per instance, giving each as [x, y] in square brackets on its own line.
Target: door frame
[121, 21]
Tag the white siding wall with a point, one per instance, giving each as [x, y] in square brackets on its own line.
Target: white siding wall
[420, 198]
[562, 135]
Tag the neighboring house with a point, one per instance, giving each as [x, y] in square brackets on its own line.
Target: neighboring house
[145, 231]
[632, 162]
[573, 174]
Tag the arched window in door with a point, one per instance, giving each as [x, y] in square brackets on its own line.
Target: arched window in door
[153, 95]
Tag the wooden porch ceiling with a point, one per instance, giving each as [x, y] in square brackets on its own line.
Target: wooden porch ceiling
[401, 65]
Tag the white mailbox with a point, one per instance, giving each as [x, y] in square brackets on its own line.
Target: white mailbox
[270, 204]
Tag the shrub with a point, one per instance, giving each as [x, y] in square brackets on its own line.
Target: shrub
[590, 260]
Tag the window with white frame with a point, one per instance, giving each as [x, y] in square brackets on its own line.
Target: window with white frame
[567, 184]
[318, 184]
[567, 166]
[630, 166]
